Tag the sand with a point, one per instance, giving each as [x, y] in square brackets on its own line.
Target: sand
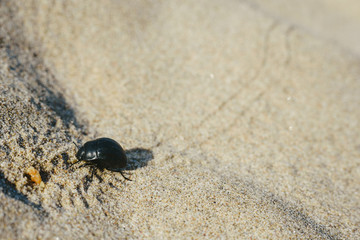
[240, 119]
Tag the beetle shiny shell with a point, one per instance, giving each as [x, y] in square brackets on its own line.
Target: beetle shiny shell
[103, 153]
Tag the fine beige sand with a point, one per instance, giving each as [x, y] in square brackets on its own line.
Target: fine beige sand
[240, 119]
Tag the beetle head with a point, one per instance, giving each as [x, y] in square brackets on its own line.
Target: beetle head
[80, 155]
[87, 153]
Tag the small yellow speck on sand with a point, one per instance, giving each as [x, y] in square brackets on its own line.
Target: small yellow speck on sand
[34, 175]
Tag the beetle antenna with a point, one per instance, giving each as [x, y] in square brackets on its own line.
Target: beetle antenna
[76, 145]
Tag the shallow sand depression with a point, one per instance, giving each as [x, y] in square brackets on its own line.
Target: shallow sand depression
[239, 121]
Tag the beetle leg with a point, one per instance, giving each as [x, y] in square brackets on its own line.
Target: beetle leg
[88, 180]
[92, 172]
[124, 176]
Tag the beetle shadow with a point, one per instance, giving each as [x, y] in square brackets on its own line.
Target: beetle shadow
[138, 158]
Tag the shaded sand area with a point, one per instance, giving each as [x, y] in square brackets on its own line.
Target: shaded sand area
[239, 120]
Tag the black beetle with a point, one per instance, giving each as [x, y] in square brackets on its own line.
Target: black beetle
[103, 153]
